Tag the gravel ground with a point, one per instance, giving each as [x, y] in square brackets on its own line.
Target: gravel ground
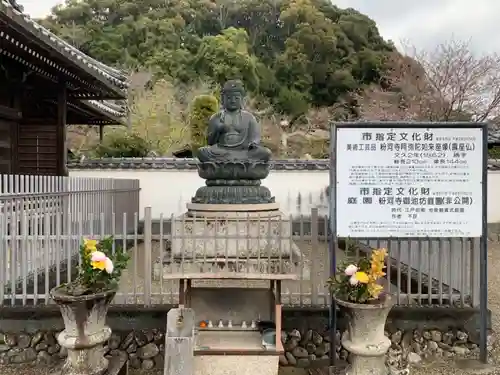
[434, 369]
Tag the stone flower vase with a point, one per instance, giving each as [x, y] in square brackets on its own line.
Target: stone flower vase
[85, 331]
[364, 338]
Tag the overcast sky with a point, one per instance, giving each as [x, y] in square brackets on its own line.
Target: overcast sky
[423, 23]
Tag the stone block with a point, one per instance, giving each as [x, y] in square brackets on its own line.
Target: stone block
[250, 245]
[252, 238]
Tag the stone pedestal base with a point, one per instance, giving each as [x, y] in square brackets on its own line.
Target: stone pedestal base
[365, 339]
[234, 241]
[233, 194]
[235, 365]
[88, 361]
[238, 212]
[367, 366]
[85, 331]
[228, 237]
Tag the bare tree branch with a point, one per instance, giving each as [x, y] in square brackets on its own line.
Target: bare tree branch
[448, 83]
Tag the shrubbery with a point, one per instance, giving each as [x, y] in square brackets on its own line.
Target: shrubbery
[494, 152]
[123, 145]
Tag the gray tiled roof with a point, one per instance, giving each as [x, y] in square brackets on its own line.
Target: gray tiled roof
[494, 137]
[115, 110]
[186, 164]
[183, 164]
[494, 165]
[108, 74]
[112, 78]
[111, 114]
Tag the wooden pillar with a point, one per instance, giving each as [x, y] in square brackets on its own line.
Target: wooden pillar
[62, 108]
[8, 123]
[10, 116]
[18, 106]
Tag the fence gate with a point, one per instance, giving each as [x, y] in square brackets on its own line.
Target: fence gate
[419, 189]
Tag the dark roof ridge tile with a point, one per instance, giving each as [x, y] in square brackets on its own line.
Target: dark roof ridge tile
[160, 163]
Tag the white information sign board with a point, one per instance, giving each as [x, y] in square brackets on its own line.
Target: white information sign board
[409, 182]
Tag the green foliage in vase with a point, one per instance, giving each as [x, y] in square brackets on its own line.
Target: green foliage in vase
[359, 281]
[101, 266]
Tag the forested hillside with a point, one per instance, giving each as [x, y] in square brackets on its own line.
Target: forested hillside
[303, 62]
[296, 53]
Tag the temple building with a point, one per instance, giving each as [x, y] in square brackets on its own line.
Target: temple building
[46, 84]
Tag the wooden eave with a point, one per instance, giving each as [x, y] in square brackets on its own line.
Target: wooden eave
[96, 115]
[78, 113]
[32, 45]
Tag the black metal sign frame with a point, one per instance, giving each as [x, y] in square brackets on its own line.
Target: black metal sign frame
[483, 252]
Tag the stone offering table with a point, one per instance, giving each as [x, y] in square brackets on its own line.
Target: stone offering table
[232, 326]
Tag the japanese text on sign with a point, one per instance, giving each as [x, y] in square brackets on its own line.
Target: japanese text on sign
[409, 182]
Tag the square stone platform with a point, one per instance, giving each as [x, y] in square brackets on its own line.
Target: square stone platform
[245, 244]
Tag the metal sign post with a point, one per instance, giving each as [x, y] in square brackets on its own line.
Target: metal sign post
[332, 243]
[408, 181]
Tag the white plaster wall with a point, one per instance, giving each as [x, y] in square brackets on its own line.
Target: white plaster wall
[494, 197]
[168, 191]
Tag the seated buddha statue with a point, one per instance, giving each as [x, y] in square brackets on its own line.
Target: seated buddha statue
[233, 133]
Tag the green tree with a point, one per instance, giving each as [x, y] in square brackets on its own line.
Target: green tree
[123, 145]
[226, 56]
[202, 108]
[494, 152]
[295, 54]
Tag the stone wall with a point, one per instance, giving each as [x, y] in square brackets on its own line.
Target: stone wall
[302, 349]
[306, 337]
[145, 348]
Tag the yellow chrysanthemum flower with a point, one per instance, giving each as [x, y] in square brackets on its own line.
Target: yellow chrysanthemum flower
[377, 263]
[379, 255]
[99, 265]
[374, 290]
[376, 266]
[362, 277]
[90, 245]
[377, 270]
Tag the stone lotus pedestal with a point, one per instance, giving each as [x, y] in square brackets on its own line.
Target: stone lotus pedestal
[233, 182]
[365, 339]
[85, 331]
